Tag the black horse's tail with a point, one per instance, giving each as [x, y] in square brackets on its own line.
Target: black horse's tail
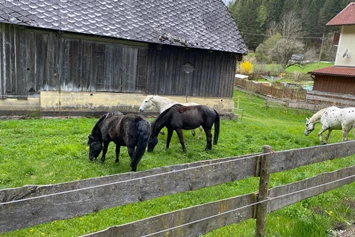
[216, 128]
[143, 136]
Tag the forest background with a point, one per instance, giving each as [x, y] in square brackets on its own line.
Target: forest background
[277, 29]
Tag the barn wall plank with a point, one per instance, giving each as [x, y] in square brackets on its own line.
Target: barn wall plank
[167, 78]
[35, 60]
[2, 63]
[142, 70]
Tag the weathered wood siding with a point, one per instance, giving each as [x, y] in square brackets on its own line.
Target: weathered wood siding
[213, 74]
[333, 84]
[35, 60]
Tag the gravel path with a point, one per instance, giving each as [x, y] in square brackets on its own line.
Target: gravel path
[349, 232]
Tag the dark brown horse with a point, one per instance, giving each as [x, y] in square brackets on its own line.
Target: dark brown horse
[179, 117]
[124, 130]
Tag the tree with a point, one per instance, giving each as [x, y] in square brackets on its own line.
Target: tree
[274, 8]
[284, 49]
[262, 52]
[291, 26]
[256, 19]
[247, 22]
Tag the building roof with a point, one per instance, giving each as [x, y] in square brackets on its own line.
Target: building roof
[345, 17]
[205, 24]
[335, 71]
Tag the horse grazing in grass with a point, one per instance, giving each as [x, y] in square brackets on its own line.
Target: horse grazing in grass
[179, 117]
[163, 103]
[332, 118]
[124, 130]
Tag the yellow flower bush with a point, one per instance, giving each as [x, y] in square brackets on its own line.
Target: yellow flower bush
[246, 67]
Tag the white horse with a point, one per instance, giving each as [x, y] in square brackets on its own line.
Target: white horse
[163, 103]
[332, 118]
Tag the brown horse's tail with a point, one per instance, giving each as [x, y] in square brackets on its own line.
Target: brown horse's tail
[143, 136]
[216, 128]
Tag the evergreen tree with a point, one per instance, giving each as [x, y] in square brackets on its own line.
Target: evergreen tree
[255, 18]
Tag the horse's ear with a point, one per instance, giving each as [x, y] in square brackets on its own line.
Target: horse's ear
[307, 119]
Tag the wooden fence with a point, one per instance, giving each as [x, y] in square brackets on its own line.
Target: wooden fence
[32, 205]
[280, 92]
[296, 98]
[331, 99]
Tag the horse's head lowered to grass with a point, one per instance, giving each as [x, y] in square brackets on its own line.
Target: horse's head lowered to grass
[95, 147]
[309, 127]
[130, 130]
[332, 118]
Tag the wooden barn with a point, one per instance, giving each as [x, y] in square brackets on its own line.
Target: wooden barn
[340, 78]
[89, 55]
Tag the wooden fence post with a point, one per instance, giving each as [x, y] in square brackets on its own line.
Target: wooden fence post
[261, 208]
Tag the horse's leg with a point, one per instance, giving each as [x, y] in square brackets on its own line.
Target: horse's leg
[118, 149]
[181, 138]
[323, 129]
[131, 154]
[327, 136]
[168, 138]
[208, 139]
[346, 131]
[104, 151]
[193, 132]
[200, 135]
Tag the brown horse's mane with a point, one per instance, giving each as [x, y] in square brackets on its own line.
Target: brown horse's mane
[159, 123]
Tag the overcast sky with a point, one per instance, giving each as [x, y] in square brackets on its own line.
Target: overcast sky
[227, 1]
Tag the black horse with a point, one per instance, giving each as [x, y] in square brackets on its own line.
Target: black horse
[129, 130]
[180, 117]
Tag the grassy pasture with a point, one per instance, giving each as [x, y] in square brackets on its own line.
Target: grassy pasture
[308, 67]
[47, 151]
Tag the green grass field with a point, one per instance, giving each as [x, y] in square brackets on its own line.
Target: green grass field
[308, 67]
[48, 151]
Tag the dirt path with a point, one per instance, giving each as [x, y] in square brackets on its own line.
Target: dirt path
[349, 232]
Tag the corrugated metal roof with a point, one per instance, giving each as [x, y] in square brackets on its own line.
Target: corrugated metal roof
[345, 17]
[203, 24]
[335, 71]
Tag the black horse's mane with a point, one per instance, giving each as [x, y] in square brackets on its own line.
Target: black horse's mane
[96, 129]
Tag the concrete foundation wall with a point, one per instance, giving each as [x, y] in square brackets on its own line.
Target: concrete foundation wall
[53, 102]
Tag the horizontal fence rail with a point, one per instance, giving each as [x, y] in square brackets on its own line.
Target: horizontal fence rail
[202, 219]
[81, 201]
[32, 205]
